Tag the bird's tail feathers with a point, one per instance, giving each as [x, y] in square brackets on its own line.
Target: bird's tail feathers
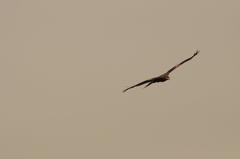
[148, 84]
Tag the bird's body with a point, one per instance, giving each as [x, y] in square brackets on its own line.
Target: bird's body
[162, 78]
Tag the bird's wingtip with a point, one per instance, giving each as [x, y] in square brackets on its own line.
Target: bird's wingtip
[197, 51]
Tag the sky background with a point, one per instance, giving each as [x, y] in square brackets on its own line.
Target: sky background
[64, 65]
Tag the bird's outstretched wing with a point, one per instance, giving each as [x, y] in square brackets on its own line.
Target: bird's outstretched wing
[176, 66]
[139, 84]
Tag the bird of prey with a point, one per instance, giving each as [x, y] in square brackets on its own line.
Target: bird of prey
[162, 78]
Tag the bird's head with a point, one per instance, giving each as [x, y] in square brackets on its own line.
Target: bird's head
[167, 77]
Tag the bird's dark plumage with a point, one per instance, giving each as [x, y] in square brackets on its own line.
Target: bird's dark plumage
[162, 78]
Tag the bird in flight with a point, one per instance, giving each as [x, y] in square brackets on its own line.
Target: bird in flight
[162, 78]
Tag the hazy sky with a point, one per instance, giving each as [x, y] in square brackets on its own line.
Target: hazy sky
[64, 65]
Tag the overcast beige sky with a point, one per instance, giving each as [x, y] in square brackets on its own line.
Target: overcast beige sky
[64, 64]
